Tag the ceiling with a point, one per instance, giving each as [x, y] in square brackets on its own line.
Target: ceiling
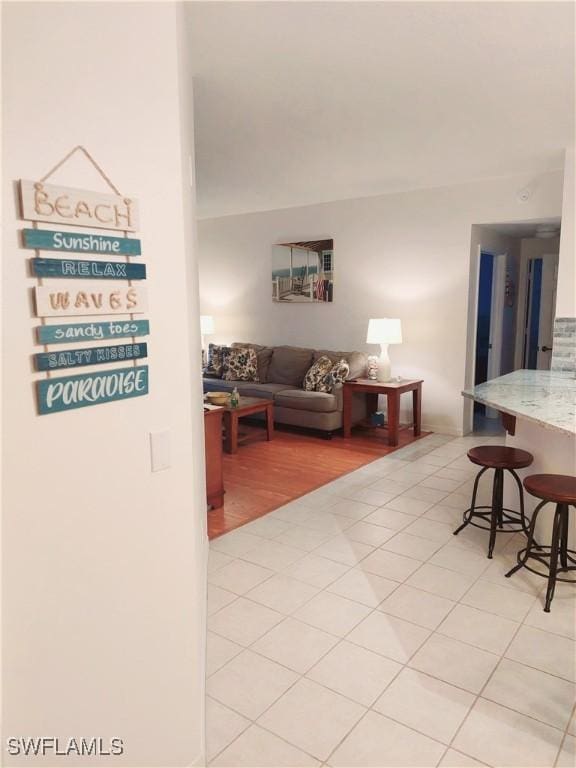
[533, 228]
[306, 102]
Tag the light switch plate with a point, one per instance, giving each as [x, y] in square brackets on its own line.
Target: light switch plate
[160, 450]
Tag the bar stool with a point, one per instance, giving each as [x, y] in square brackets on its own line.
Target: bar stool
[500, 458]
[559, 490]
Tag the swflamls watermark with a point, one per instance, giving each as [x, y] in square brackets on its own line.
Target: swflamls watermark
[94, 746]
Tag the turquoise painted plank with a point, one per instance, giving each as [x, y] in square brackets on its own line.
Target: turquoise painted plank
[101, 270]
[55, 240]
[70, 392]
[70, 358]
[74, 332]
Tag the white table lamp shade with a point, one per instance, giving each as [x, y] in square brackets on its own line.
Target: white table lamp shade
[384, 330]
[206, 325]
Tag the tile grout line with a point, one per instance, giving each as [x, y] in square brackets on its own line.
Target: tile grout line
[303, 675]
[479, 694]
[566, 735]
[344, 638]
[403, 665]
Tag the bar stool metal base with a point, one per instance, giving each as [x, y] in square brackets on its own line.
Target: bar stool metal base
[496, 516]
[556, 558]
[508, 517]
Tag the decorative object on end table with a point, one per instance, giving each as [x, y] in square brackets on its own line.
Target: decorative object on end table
[384, 331]
[372, 367]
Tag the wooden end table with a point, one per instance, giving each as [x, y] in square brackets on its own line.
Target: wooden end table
[213, 452]
[393, 390]
[246, 407]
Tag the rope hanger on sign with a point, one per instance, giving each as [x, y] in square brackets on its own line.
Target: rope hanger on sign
[80, 148]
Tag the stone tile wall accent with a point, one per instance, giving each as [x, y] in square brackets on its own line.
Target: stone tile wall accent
[564, 344]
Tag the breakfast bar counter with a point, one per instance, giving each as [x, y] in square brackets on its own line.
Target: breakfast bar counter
[546, 398]
[539, 412]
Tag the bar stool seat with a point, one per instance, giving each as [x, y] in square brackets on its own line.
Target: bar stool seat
[500, 457]
[560, 489]
[557, 558]
[497, 518]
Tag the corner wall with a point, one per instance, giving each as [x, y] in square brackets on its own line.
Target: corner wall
[403, 255]
[103, 561]
[566, 294]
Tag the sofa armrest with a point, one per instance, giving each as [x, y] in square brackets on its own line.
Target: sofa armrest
[338, 393]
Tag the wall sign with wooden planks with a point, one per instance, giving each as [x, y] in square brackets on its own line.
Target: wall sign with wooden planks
[103, 270]
[90, 300]
[82, 390]
[77, 207]
[80, 242]
[73, 332]
[71, 358]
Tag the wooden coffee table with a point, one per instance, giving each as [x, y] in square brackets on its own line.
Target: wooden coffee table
[246, 407]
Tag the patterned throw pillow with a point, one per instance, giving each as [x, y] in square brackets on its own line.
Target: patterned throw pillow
[337, 374]
[215, 364]
[240, 364]
[316, 372]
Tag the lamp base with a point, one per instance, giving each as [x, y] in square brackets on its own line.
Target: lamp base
[384, 367]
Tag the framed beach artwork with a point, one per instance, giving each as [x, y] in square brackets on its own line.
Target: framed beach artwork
[303, 272]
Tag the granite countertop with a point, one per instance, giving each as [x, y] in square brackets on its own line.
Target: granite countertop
[547, 398]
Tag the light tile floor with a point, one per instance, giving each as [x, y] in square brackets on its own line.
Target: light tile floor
[350, 628]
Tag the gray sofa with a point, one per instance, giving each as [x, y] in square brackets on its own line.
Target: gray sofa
[281, 371]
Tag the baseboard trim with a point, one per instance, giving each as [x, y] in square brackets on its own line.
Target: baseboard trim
[443, 430]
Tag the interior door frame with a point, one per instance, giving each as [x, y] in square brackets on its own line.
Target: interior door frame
[495, 340]
[549, 273]
[523, 274]
[497, 302]
[497, 315]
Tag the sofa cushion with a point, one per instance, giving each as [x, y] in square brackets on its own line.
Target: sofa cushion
[321, 402]
[337, 374]
[215, 364]
[263, 356]
[316, 373]
[246, 388]
[289, 365]
[240, 364]
[238, 344]
[357, 361]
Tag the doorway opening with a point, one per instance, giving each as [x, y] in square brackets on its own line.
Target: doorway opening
[489, 334]
[483, 346]
[538, 326]
[513, 276]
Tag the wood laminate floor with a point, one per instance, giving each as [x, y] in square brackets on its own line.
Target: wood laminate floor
[264, 475]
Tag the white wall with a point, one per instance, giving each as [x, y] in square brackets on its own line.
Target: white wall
[566, 295]
[403, 255]
[103, 561]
